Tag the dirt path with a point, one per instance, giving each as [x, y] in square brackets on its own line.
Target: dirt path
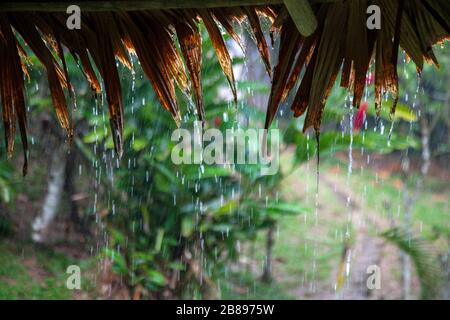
[365, 249]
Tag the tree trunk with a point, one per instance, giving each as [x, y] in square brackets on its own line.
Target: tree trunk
[445, 262]
[267, 270]
[53, 196]
[70, 189]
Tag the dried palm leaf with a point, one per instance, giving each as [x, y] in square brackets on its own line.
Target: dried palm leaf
[341, 41]
[108, 69]
[221, 49]
[223, 16]
[440, 10]
[169, 53]
[191, 46]
[289, 43]
[12, 90]
[329, 60]
[259, 36]
[55, 75]
[357, 56]
[8, 112]
[151, 61]
[76, 44]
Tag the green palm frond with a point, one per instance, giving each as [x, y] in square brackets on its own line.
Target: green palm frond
[423, 257]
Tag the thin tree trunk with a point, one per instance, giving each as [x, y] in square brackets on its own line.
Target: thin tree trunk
[267, 270]
[70, 189]
[53, 196]
[445, 261]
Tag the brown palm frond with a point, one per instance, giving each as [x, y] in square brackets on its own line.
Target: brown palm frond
[152, 62]
[341, 41]
[191, 46]
[329, 60]
[12, 92]
[357, 50]
[221, 50]
[56, 79]
[259, 36]
[76, 44]
[9, 119]
[290, 41]
[226, 19]
[106, 47]
[171, 56]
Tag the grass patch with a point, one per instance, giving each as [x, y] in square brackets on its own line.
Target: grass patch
[27, 272]
[244, 286]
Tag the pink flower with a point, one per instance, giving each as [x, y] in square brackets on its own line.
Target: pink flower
[360, 116]
[217, 121]
[370, 78]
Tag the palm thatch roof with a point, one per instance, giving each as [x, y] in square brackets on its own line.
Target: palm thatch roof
[318, 40]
